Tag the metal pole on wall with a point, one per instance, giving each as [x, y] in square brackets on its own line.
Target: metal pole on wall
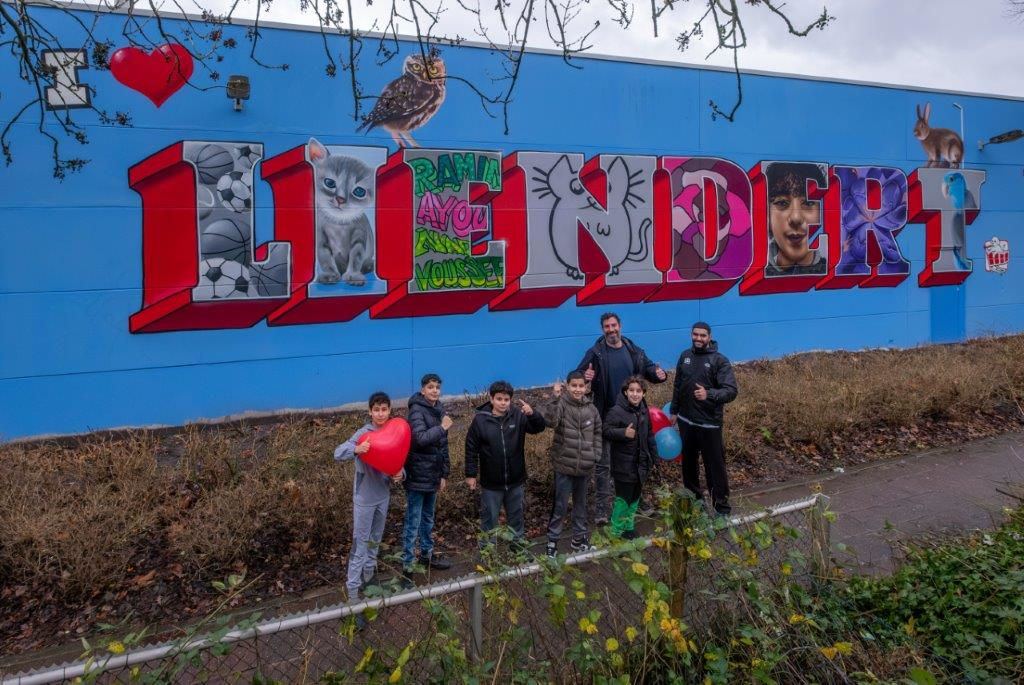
[476, 623]
[962, 137]
[820, 527]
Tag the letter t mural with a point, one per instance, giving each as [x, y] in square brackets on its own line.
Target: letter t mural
[434, 226]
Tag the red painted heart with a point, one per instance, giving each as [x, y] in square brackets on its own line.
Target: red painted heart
[157, 75]
[389, 445]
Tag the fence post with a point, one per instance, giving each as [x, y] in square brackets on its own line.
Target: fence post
[678, 557]
[820, 532]
[476, 623]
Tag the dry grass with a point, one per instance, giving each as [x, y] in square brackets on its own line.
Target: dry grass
[79, 517]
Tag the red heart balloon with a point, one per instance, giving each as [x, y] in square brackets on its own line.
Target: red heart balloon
[658, 419]
[157, 75]
[389, 446]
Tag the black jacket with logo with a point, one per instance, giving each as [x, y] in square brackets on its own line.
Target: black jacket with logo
[604, 394]
[632, 458]
[494, 446]
[428, 460]
[710, 369]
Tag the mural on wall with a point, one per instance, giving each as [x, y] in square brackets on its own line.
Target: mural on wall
[944, 146]
[997, 255]
[409, 102]
[431, 232]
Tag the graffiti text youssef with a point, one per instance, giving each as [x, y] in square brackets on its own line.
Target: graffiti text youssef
[459, 230]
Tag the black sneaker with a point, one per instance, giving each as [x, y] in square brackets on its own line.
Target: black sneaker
[551, 549]
[628, 535]
[436, 562]
[360, 623]
[582, 546]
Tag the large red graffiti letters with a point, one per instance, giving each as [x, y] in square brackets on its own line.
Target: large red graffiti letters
[434, 232]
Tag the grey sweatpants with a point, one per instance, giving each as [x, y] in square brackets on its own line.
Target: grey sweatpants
[367, 530]
[565, 487]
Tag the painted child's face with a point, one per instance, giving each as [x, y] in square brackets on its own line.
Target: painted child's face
[432, 391]
[791, 217]
[500, 402]
[634, 393]
[380, 413]
[577, 388]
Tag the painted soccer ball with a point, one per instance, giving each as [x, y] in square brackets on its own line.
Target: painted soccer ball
[245, 156]
[221, 279]
[234, 190]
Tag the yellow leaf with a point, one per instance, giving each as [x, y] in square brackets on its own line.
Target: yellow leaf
[639, 568]
[367, 655]
[611, 644]
[396, 675]
[787, 569]
[829, 652]
[580, 595]
[631, 633]
[796, 618]
[844, 648]
[910, 626]
[116, 647]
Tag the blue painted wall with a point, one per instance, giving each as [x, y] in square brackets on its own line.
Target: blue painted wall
[71, 262]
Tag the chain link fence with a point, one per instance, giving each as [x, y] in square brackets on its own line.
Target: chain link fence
[485, 616]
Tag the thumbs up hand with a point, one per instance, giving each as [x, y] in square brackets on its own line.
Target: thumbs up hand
[630, 431]
[588, 375]
[700, 393]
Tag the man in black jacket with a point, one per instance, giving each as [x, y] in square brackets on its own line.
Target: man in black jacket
[495, 457]
[611, 360]
[704, 384]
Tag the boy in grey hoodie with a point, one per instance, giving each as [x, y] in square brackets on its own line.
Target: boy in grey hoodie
[370, 497]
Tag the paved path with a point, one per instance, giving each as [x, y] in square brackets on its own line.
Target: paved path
[952, 489]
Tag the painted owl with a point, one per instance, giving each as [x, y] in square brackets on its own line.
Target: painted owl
[410, 100]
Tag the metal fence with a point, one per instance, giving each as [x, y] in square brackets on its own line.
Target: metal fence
[472, 611]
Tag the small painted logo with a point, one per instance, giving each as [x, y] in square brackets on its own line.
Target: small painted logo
[997, 255]
[707, 365]
[686, 360]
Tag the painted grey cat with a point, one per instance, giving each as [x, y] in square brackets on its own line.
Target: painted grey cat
[344, 194]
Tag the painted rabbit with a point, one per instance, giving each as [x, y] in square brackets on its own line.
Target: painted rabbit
[938, 143]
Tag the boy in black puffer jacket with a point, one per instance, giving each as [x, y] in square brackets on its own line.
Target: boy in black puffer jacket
[575, 452]
[628, 428]
[495, 454]
[426, 472]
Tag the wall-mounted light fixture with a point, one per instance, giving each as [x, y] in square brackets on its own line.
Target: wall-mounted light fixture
[1008, 137]
[238, 90]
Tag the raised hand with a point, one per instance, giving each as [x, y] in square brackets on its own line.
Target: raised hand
[527, 409]
[363, 447]
[660, 372]
[446, 422]
[556, 389]
[630, 431]
[588, 375]
[700, 393]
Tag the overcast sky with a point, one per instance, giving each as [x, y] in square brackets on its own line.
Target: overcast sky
[946, 44]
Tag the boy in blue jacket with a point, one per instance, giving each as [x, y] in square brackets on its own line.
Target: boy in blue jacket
[370, 497]
[426, 473]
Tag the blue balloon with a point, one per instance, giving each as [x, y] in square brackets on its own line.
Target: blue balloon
[670, 445]
[666, 408]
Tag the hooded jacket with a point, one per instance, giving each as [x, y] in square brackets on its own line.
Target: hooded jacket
[712, 370]
[576, 444]
[494, 446]
[428, 460]
[603, 394]
[632, 458]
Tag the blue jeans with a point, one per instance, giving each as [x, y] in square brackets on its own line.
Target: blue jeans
[419, 522]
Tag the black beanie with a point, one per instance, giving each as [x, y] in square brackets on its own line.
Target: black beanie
[701, 324]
